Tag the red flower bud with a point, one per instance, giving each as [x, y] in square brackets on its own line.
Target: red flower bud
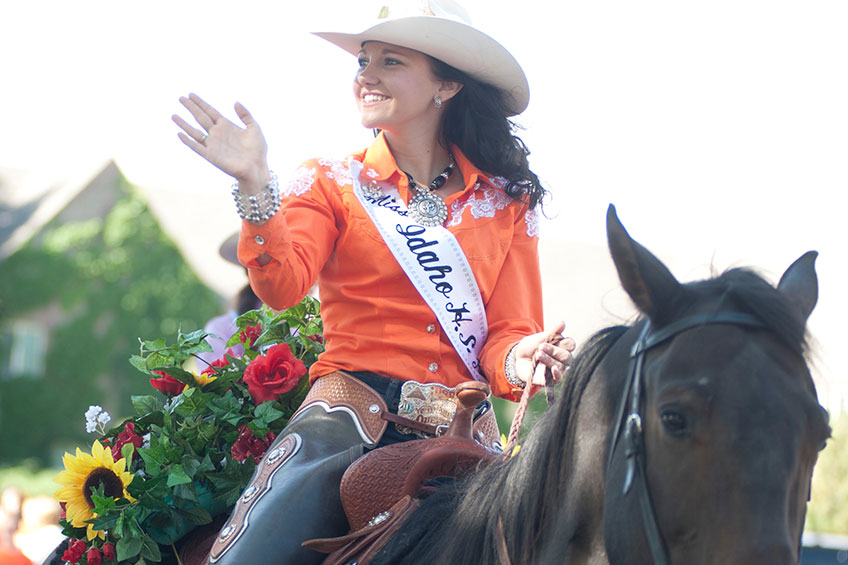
[167, 384]
[108, 550]
[75, 550]
[93, 556]
[317, 338]
[125, 437]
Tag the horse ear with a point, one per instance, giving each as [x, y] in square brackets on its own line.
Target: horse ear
[645, 278]
[800, 284]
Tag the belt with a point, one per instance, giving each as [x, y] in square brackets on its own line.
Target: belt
[376, 400]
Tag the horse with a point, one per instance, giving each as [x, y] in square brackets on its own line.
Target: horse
[689, 437]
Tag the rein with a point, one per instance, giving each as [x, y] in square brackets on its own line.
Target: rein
[630, 426]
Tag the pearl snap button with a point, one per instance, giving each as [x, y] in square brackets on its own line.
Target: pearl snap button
[259, 240]
[431, 328]
[433, 367]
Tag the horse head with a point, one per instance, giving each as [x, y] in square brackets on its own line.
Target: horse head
[721, 451]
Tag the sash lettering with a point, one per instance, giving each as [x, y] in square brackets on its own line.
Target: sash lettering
[435, 264]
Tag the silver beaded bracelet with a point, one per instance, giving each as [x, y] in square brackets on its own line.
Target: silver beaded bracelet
[260, 207]
[509, 369]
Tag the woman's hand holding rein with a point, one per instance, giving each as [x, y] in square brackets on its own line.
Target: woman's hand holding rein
[543, 349]
[241, 152]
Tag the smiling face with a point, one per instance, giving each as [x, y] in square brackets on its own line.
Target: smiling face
[395, 88]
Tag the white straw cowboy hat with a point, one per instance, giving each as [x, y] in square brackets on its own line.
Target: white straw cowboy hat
[442, 29]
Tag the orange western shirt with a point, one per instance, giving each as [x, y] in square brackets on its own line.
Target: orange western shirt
[374, 319]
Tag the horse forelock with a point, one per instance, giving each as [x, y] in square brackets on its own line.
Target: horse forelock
[743, 290]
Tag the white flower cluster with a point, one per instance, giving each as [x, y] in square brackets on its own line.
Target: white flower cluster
[96, 417]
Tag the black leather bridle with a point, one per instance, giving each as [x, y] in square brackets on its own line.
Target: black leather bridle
[631, 423]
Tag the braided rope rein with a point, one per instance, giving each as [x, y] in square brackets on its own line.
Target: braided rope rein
[521, 411]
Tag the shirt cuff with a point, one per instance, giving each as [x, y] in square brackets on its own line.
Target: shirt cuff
[266, 239]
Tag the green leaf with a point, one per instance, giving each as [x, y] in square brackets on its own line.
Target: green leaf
[150, 550]
[127, 548]
[198, 515]
[230, 483]
[190, 466]
[127, 451]
[146, 404]
[265, 413]
[180, 374]
[185, 492]
[227, 408]
[106, 522]
[154, 458]
[177, 476]
[193, 403]
[139, 363]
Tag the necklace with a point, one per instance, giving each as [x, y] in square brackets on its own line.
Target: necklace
[426, 208]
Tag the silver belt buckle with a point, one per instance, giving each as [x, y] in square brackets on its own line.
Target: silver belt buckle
[429, 403]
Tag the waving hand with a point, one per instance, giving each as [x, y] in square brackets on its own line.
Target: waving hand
[241, 152]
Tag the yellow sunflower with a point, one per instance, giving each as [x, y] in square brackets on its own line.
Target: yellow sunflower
[84, 472]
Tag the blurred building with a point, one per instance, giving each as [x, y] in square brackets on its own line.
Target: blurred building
[85, 270]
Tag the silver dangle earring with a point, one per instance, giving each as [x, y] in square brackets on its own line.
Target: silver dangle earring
[437, 101]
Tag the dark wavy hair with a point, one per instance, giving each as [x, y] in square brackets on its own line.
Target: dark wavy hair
[477, 121]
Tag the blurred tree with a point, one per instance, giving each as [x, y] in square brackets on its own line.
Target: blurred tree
[92, 284]
[828, 508]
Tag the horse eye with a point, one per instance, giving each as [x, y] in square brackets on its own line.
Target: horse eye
[673, 422]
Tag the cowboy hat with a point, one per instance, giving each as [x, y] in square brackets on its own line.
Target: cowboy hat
[229, 249]
[442, 29]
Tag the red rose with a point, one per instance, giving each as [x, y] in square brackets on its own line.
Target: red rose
[250, 334]
[125, 437]
[275, 373]
[108, 550]
[93, 556]
[167, 384]
[248, 444]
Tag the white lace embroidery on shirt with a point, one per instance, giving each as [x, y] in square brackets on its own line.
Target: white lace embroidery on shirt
[336, 170]
[531, 218]
[301, 182]
[490, 201]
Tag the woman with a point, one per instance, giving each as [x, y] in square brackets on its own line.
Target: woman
[424, 247]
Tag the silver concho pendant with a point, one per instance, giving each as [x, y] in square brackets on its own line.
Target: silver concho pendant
[428, 210]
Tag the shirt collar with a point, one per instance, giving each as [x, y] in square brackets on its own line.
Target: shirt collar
[378, 163]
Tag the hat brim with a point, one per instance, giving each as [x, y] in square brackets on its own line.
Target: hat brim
[229, 249]
[457, 44]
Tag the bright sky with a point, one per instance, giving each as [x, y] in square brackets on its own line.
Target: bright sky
[719, 129]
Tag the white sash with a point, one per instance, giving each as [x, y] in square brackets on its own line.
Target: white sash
[435, 264]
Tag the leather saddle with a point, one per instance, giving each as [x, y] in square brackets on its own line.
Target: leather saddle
[382, 488]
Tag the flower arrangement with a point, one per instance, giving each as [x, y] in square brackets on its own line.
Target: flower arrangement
[196, 439]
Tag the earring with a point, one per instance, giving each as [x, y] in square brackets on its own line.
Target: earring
[437, 101]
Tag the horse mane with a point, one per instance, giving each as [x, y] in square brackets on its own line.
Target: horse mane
[459, 522]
